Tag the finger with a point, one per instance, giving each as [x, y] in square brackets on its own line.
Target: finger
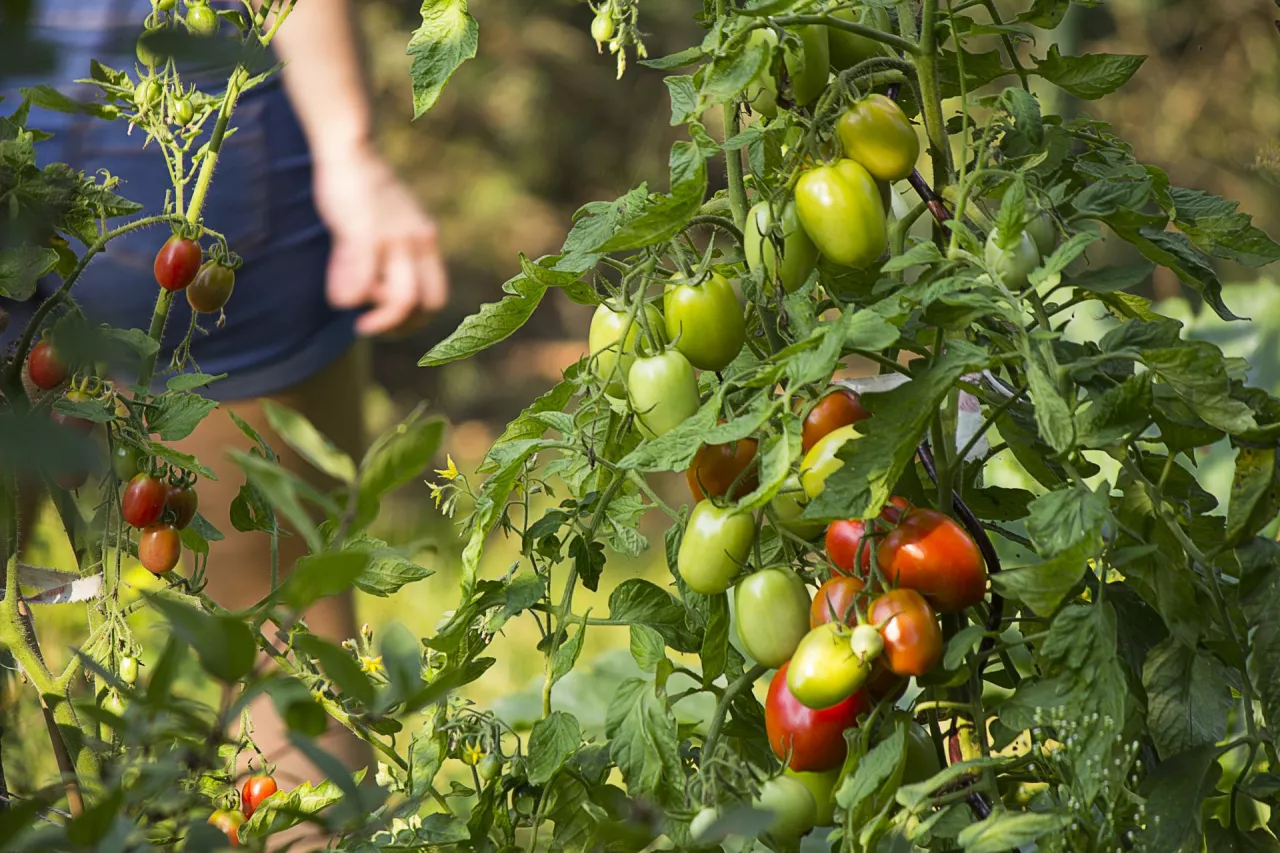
[397, 296]
[352, 278]
[434, 280]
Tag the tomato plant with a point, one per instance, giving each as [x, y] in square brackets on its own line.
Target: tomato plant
[824, 670]
[821, 461]
[613, 338]
[850, 549]
[798, 257]
[183, 502]
[663, 392]
[714, 547]
[229, 822]
[178, 260]
[159, 548]
[877, 133]
[840, 208]
[836, 601]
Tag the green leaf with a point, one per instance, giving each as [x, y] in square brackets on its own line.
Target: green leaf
[1197, 373]
[1004, 830]
[1112, 279]
[1089, 76]
[1120, 412]
[727, 76]
[1259, 560]
[715, 640]
[282, 490]
[395, 458]
[647, 647]
[1174, 250]
[447, 38]
[644, 741]
[290, 807]
[674, 450]
[496, 321]
[428, 750]
[1025, 110]
[567, 653]
[663, 216]
[320, 576]
[1176, 790]
[527, 425]
[1188, 698]
[1255, 493]
[191, 381]
[551, 742]
[1054, 417]
[1043, 586]
[21, 267]
[385, 569]
[176, 415]
[223, 644]
[881, 764]
[1063, 518]
[636, 601]
[300, 434]
[684, 98]
[1215, 227]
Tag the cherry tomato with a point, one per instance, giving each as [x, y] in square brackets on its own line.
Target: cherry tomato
[809, 64]
[159, 547]
[931, 554]
[663, 391]
[211, 288]
[602, 27]
[1043, 230]
[821, 460]
[848, 49]
[144, 500]
[836, 601]
[1013, 264]
[877, 133]
[126, 462]
[148, 57]
[772, 614]
[183, 503]
[71, 477]
[716, 543]
[841, 211]
[129, 670]
[841, 407]
[844, 539]
[762, 91]
[912, 638]
[83, 425]
[822, 787]
[788, 507]
[183, 112]
[145, 94]
[716, 467]
[489, 767]
[114, 703]
[704, 321]
[229, 822]
[922, 758]
[612, 342]
[201, 20]
[799, 255]
[46, 368]
[255, 790]
[824, 671]
[814, 740]
[177, 262]
[792, 806]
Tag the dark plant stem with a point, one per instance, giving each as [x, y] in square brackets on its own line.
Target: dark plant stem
[731, 692]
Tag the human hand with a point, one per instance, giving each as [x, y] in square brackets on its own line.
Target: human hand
[385, 253]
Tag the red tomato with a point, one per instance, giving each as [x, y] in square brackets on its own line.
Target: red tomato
[814, 740]
[836, 600]
[144, 500]
[844, 538]
[72, 479]
[229, 822]
[912, 638]
[182, 502]
[930, 553]
[46, 368]
[255, 790]
[177, 263]
[159, 548]
[715, 467]
[839, 408]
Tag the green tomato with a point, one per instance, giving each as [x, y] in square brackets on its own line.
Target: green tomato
[489, 766]
[126, 462]
[148, 57]
[704, 321]
[702, 822]
[762, 91]
[129, 670]
[788, 506]
[602, 27]
[922, 757]
[612, 342]
[114, 703]
[145, 93]
[821, 460]
[663, 392]
[799, 255]
[841, 211]
[1044, 232]
[877, 133]
[866, 643]
[201, 20]
[824, 671]
[183, 112]
[715, 547]
[822, 787]
[792, 806]
[1012, 265]
[848, 49]
[809, 64]
[772, 613]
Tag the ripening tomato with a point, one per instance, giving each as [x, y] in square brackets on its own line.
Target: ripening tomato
[182, 502]
[201, 20]
[129, 669]
[822, 786]
[177, 262]
[144, 500]
[821, 461]
[762, 91]
[716, 467]
[71, 476]
[83, 425]
[612, 342]
[704, 321]
[1043, 230]
[841, 211]
[912, 638]
[788, 508]
[836, 601]
[663, 391]
[159, 547]
[45, 366]
[848, 49]
[845, 539]
[809, 64]
[212, 288]
[1011, 265]
[715, 546]
[841, 407]
[931, 554]
[792, 806]
[799, 255]
[772, 613]
[807, 739]
[602, 27]
[877, 133]
[256, 789]
[824, 671]
[229, 822]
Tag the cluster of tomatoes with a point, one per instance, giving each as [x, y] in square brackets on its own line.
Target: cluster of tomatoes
[178, 267]
[256, 789]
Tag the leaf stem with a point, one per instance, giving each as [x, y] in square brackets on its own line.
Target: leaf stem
[739, 684]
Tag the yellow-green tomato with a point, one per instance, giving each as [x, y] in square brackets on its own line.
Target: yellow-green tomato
[1012, 265]
[663, 391]
[704, 321]
[792, 806]
[602, 27]
[129, 669]
[824, 671]
[715, 547]
[877, 133]
[799, 255]
[809, 64]
[612, 341]
[848, 49]
[772, 611]
[762, 91]
[788, 507]
[702, 822]
[822, 787]
[821, 460]
[841, 211]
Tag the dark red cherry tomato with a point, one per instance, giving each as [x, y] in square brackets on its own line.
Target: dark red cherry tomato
[715, 467]
[930, 553]
[46, 368]
[836, 600]
[182, 502]
[841, 407]
[255, 790]
[212, 288]
[814, 740]
[177, 263]
[159, 548]
[144, 500]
